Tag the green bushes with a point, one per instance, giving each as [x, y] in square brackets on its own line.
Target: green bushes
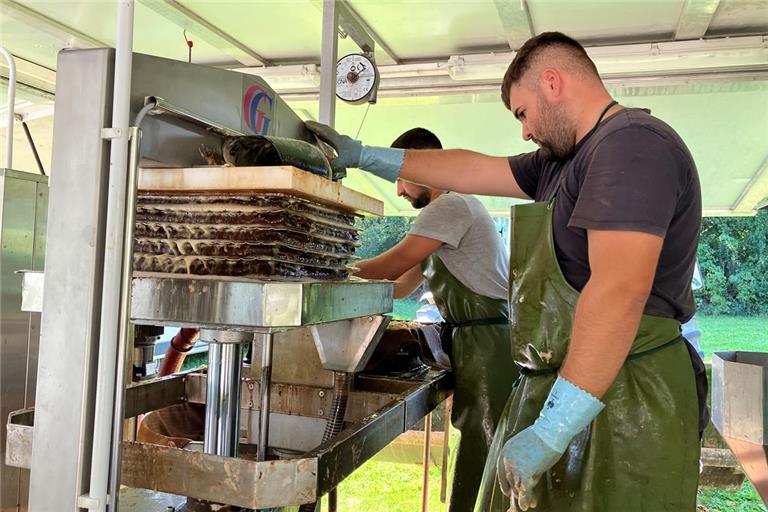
[733, 256]
[381, 233]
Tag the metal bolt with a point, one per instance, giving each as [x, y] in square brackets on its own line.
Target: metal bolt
[250, 404]
[320, 412]
[250, 385]
[321, 393]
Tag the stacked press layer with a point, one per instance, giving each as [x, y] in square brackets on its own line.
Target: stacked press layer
[264, 236]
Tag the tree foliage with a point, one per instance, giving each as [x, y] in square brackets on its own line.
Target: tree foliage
[381, 233]
[733, 256]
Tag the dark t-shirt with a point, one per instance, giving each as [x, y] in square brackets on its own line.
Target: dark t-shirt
[634, 173]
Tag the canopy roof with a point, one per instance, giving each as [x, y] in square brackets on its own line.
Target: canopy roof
[700, 65]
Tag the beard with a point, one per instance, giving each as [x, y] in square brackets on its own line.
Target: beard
[557, 134]
[420, 201]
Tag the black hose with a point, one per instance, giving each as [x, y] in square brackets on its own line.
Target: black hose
[335, 424]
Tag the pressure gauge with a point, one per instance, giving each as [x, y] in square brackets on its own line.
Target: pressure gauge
[356, 78]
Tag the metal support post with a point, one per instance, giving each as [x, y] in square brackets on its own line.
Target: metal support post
[222, 409]
[125, 332]
[328, 57]
[114, 263]
[425, 476]
[446, 439]
[266, 380]
[11, 103]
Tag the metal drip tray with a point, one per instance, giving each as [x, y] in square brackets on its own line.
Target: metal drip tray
[241, 304]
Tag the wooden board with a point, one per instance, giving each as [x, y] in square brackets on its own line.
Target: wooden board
[285, 179]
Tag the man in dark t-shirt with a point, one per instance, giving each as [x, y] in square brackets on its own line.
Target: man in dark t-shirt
[606, 417]
[633, 174]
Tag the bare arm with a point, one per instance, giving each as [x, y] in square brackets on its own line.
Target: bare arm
[462, 171]
[623, 265]
[408, 282]
[392, 264]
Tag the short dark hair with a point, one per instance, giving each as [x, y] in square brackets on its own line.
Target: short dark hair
[533, 47]
[417, 138]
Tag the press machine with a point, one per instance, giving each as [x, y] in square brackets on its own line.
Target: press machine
[281, 431]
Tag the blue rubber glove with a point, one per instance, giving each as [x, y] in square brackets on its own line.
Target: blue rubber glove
[529, 454]
[382, 162]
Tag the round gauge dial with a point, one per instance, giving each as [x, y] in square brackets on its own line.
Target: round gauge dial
[356, 78]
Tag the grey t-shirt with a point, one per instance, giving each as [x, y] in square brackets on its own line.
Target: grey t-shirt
[472, 249]
[633, 174]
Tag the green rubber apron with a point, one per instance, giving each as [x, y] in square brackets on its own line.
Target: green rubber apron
[483, 372]
[641, 452]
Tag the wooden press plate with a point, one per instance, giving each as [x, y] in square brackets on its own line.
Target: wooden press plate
[285, 179]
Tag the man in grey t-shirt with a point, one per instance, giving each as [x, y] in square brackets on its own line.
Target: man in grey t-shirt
[454, 246]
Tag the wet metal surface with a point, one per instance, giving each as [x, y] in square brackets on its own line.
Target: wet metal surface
[245, 304]
[220, 479]
[245, 483]
[144, 500]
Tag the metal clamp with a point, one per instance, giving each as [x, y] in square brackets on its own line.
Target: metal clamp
[111, 133]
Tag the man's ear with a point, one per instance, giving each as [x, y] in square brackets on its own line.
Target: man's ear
[552, 83]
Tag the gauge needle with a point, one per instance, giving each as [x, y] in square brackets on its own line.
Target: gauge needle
[352, 76]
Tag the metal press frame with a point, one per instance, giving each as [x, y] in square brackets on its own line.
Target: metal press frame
[84, 430]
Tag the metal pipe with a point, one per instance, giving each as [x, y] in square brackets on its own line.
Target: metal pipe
[124, 333]
[146, 109]
[11, 105]
[210, 441]
[446, 438]
[229, 399]
[222, 409]
[425, 461]
[328, 55]
[32, 146]
[106, 414]
[266, 380]
[162, 107]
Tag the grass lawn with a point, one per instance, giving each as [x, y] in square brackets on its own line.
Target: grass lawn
[724, 333]
[716, 500]
[397, 487]
[390, 487]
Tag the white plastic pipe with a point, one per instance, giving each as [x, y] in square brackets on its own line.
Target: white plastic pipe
[11, 103]
[113, 264]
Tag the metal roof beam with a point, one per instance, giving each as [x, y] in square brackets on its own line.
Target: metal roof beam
[31, 74]
[362, 34]
[175, 12]
[350, 20]
[354, 27]
[755, 192]
[517, 22]
[73, 37]
[636, 65]
[695, 17]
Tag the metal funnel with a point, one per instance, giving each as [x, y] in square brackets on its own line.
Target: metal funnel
[346, 345]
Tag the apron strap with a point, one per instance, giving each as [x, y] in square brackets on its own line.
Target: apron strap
[591, 132]
[528, 372]
[499, 320]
